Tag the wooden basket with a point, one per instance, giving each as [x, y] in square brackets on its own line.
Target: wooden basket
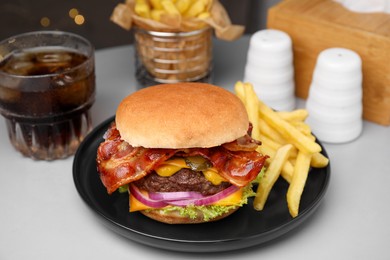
[170, 57]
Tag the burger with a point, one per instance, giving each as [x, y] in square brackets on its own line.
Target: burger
[182, 151]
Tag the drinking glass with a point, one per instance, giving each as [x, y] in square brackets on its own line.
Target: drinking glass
[47, 87]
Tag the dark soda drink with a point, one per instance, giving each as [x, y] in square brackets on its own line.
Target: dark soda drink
[45, 97]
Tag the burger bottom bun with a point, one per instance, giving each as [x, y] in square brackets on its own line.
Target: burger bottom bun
[174, 217]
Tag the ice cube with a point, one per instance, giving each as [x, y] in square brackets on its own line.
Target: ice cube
[54, 57]
[23, 68]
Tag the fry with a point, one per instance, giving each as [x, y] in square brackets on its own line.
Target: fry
[287, 170]
[183, 5]
[195, 9]
[319, 161]
[295, 115]
[155, 14]
[302, 127]
[204, 15]
[170, 7]
[142, 9]
[156, 4]
[250, 100]
[239, 89]
[252, 107]
[298, 182]
[207, 3]
[271, 175]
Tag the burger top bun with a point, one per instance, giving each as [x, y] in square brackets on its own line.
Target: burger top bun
[181, 115]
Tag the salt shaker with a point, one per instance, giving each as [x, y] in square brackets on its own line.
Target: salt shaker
[269, 68]
[335, 96]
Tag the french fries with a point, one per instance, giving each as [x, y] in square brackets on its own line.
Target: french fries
[155, 9]
[289, 143]
[288, 131]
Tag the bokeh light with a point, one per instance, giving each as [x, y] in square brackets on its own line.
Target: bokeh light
[45, 22]
[73, 13]
[79, 19]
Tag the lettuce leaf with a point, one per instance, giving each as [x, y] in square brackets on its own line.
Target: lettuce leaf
[259, 176]
[211, 211]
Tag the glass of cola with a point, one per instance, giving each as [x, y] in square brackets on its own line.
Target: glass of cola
[47, 87]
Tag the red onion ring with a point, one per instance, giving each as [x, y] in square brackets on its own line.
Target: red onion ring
[179, 195]
[145, 200]
[206, 200]
[162, 199]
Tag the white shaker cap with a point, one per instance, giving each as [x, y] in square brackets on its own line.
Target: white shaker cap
[337, 64]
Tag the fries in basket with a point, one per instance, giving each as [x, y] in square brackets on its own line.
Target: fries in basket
[289, 143]
[176, 16]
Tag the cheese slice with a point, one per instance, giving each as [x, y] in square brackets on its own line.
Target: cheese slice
[211, 174]
[136, 205]
[170, 167]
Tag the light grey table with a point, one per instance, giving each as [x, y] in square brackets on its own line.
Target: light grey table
[43, 217]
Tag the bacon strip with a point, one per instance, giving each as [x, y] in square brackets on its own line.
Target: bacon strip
[119, 163]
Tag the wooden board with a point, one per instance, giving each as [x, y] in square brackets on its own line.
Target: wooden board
[315, 25]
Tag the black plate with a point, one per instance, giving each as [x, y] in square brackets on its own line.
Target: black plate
[245, 228]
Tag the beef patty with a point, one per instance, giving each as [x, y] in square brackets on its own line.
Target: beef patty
[183, 180]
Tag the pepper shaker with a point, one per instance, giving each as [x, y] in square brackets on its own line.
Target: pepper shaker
[269, 68]
[335, 96]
